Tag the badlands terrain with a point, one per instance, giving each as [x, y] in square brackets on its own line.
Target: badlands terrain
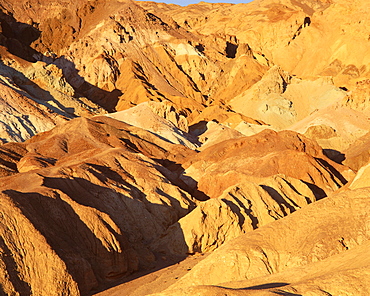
[211, 149]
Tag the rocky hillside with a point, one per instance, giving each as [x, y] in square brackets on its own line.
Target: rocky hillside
[211, 149]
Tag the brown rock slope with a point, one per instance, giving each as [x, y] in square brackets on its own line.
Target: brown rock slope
[251, 181]
[81, 203]
[240, 209]
[260, 156]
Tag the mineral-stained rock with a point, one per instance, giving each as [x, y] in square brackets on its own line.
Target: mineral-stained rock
[335, 128]
[358, 154]
[281, 100]
[35, 97]
[359, 98]
[362, 178]
[20, 117]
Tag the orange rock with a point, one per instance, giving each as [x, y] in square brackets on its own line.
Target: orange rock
[265, 154]
[82, 205]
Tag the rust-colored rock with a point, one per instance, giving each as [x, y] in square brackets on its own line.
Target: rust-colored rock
[262, 155]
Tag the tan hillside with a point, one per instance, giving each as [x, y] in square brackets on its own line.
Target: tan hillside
[297, 254]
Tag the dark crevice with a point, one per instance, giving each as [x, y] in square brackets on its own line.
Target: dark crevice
[316, 190]
[248, 211]
[307, 21]
[200, 47]
[235, 209]
[231, 50]
[267, 286]
[333, 171]
[279, 199]
[335, 155]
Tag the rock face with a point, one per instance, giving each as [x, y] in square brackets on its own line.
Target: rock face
[252, 181]
[300, 252]
[89, 198]
[240, 209]
[135, 134]
[160, 119]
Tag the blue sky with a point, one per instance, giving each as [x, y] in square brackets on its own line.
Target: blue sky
[187, 2]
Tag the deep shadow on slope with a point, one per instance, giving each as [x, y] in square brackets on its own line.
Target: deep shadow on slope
[55, 208]
[17, 37]
[41, 96]
[11, 267]
[64, 231]
[75, 243]
[177, 169]
[106, 99]
[117, 206]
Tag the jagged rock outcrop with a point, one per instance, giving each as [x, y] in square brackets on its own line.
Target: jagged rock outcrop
[81, 203]
[362, 179]
[240, 209]
[358, 154]
[358, 99]
[306, 252]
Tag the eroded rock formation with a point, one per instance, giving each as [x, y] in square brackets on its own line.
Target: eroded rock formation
[135, 134]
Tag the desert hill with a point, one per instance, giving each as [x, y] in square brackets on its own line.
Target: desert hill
[209, 149]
